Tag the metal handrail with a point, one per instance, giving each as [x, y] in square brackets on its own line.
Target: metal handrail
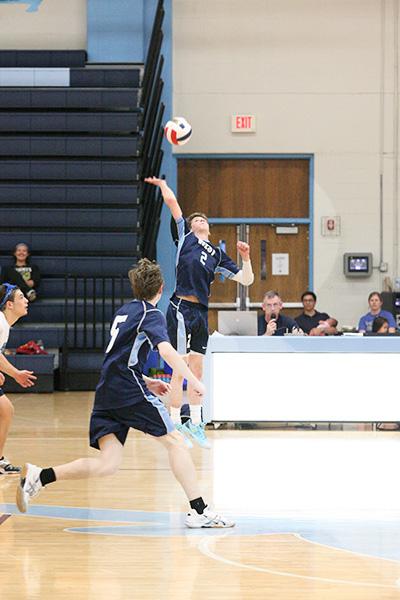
[89, 304]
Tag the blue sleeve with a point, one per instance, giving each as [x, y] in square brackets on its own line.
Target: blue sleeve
[226, 266]
[154, 326]
[362, 325]
[182, 228]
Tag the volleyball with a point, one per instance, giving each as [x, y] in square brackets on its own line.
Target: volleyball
[178, 131]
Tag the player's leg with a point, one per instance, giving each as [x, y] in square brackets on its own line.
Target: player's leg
[177, 331]
[106, 463]
[200, 515]
[107, 434]
[6, 416]
[152, 417]
[195, 428]
[196, 366]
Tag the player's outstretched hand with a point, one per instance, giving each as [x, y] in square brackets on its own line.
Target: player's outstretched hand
[2, 379]
[155, 181]
[25, 378]
[244, 250]
[158, 387]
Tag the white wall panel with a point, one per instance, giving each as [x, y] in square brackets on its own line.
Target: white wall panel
[310, 70]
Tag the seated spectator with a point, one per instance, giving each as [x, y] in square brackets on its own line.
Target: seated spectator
[273, 322]
[313, 322]
[380, 325]
[21, 273]
[375, 302]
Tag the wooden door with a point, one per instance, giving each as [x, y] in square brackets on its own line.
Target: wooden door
[265, 241]
[223, 291]
[264, 188]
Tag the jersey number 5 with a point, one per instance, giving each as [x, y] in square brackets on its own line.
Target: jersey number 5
[115, 331]
[203, 258]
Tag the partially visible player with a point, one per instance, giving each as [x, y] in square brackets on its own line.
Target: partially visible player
[13, 305]
[197, 262]
[126, 398]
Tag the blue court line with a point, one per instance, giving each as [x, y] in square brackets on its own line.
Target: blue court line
[33, 5]
[374, 538]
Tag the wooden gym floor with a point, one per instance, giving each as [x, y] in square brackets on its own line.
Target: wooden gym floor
[317, 516]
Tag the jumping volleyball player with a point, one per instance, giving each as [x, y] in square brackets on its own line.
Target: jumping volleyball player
[126, 398]
[197, 262]
[13, 305]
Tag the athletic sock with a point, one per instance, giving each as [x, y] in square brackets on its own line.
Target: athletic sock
[198, 505]
[175, 415]
[195, 413]
[47, 476]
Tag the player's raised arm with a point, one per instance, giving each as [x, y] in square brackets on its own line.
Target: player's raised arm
[245, 275]
[168, 196]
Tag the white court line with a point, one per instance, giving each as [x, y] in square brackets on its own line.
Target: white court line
[298, 535]
[204, 549]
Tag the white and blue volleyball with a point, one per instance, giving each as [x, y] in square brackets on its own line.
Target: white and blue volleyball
[178, 131]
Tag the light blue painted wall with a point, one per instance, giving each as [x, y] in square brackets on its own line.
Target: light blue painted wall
[120, 31]
[166, 250]
[115, 31]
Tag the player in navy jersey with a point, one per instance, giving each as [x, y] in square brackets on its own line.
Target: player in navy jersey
[125, 398]
[197, 262]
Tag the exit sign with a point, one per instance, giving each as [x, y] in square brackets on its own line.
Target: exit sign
[243, 123]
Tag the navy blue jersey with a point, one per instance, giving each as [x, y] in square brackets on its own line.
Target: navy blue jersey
[197, 261]
[137, 327]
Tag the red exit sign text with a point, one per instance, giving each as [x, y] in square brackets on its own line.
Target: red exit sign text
[243, 123]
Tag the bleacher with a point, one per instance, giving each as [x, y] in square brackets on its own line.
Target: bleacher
[70, 144]
[75, 142]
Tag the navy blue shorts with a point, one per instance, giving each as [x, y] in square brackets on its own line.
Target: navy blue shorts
[187, 326]
[149, 416]
[2, 392]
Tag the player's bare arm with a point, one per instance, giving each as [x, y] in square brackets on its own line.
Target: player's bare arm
[245, 275]
[24, 378]
[168, 196]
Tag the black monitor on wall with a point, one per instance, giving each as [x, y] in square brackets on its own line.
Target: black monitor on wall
[357, 264]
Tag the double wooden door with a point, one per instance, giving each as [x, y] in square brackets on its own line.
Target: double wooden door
[262, 190]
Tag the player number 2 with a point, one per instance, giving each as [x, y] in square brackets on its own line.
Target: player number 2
[203, 258]
[115, 331]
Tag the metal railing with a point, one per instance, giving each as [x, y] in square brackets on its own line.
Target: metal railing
[153, 54]
[152, 133]
[89, 305]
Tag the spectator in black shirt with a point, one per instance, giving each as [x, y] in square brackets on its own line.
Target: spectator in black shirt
[22, 273]
[273, 322]
[313, 322]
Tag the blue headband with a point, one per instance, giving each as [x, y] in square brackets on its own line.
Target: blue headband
[9, 290]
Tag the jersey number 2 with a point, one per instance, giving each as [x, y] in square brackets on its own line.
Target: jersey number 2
[115, 331]
[203, 258]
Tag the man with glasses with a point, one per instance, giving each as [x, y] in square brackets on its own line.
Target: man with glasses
[313, 322]
[273, 322]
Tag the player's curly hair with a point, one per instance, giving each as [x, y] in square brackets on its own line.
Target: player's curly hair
[146, 279]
